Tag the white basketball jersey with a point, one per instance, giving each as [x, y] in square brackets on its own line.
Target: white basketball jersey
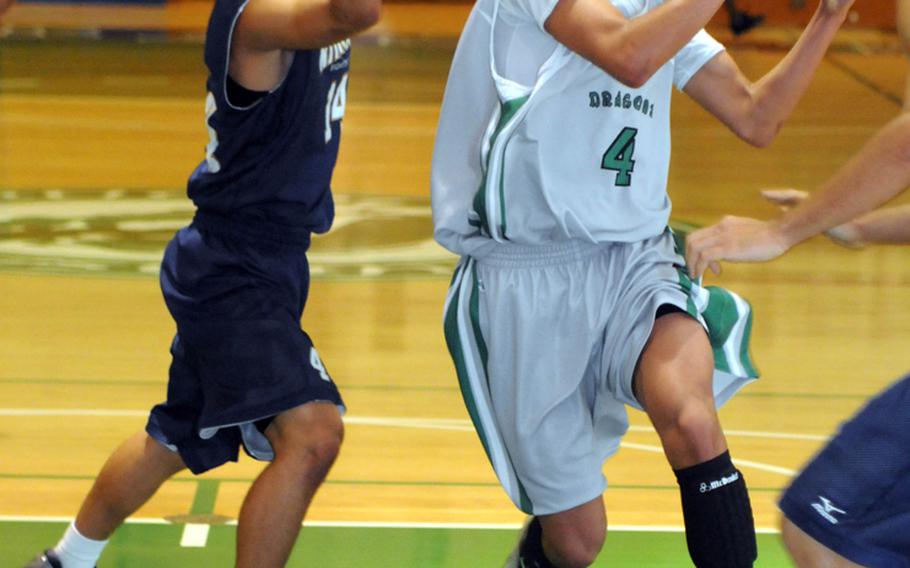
[537, 145]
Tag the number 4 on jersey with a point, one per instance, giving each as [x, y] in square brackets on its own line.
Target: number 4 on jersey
[618, 157]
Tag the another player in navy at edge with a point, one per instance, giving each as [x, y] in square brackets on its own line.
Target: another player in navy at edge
[244, 373]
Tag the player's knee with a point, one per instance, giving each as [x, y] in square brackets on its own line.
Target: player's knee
[311, 447]
[695, 427]
[322, 447]
[578, 549]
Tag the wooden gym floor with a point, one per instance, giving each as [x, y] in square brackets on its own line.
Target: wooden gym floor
[99, 130]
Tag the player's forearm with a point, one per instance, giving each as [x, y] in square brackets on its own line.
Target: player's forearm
[890, 225]
[272, 25]
[879, 172]
[776, 94]
[353, 16]
[656, 37]
[629, 50]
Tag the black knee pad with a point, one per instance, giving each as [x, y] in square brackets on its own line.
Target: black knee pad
[720, 530]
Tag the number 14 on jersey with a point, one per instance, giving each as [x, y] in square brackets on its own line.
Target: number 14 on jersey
[334, 104]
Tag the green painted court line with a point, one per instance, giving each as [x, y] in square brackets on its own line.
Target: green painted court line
[206, 495]
[155, 546]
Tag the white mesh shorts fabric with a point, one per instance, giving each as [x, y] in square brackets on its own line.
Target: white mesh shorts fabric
[545, 341]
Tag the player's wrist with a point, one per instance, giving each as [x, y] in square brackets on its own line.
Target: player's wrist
[848, 235]
[786, 232]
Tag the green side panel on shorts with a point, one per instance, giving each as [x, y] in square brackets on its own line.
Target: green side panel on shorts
[524, 502]
[157, 546]
[745, 356]
[686, 284]
[507, 111]
[453, 341]
[475, 325]
[721, 315]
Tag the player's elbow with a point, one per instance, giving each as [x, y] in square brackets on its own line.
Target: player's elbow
[630, 69]
[757, 133]
[354, 17]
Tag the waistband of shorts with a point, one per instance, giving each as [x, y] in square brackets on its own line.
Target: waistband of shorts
[520, 256]
[251, 230]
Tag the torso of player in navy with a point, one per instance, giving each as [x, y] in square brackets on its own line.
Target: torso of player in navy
[272, 160]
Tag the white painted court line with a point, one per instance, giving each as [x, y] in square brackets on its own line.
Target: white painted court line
[194, 535]
[57, 519]
[456, 424]
[389, 421]
[740, 463]
[380, 525]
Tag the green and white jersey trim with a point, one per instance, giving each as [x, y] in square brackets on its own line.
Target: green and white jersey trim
[490, 200]
[469, 352]
[489, 205]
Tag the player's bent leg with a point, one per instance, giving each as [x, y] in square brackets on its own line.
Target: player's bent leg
[673, 382]
[306, 440]
[574, 538]
[807, 552]
[131, 475]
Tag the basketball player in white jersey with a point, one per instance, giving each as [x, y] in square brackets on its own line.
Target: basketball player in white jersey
[572, 299]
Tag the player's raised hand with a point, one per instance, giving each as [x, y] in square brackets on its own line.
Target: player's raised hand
[836, 6]
[736, 239]
[786, 199]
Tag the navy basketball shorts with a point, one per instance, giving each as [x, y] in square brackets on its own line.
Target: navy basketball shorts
[854, 496]
[240, 356]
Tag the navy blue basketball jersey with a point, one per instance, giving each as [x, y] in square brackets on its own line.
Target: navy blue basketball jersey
[271, 161]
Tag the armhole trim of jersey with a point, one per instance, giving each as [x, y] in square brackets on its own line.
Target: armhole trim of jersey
[710, 54]
[227, 67]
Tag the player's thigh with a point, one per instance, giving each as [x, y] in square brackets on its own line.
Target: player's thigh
[676, 367]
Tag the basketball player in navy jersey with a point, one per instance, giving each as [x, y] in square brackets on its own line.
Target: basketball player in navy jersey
[244, 373]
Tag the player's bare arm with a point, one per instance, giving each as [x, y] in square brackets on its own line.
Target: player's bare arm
[4, 6]
[882, 226]
[756, 111]
[629, 50]
[878, 173]
[268, 30]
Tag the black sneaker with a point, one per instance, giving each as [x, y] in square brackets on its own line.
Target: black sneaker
[47, 560]
[514, 559]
